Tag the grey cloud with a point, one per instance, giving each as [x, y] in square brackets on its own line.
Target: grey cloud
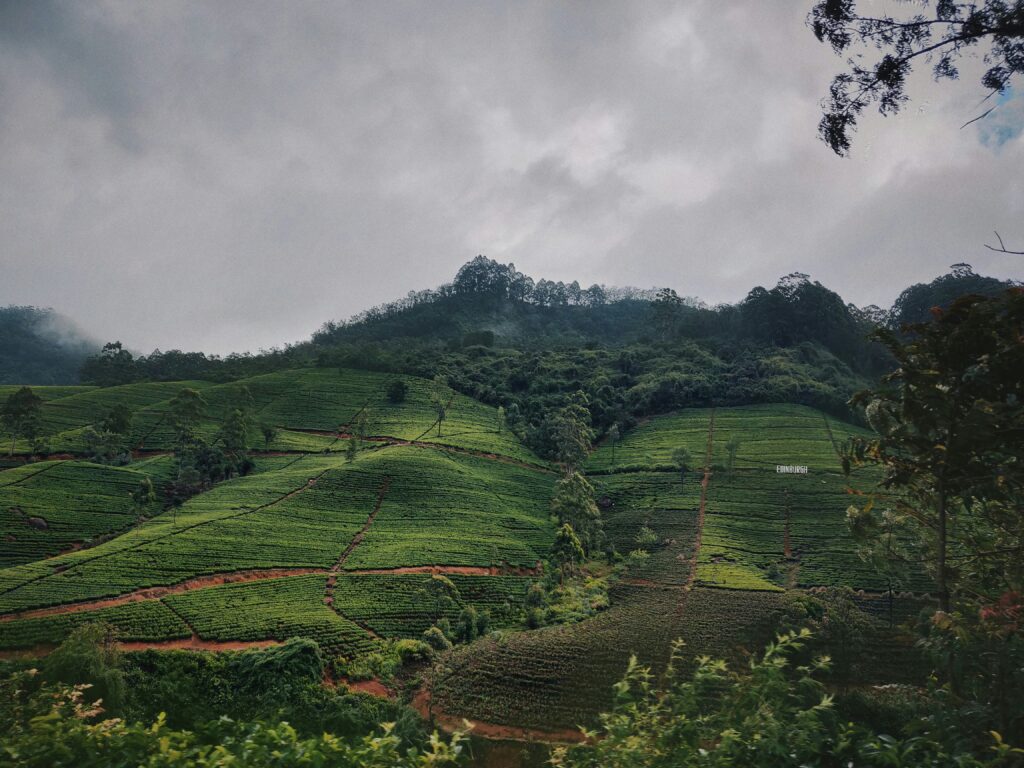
[229, 175]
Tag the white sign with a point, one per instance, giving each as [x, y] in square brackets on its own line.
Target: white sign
[790, 469]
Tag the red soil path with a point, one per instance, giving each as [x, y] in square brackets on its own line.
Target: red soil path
[421, 702]
[450, 570]
[373, 687]
[236, 577]
[705, 481]
[385, 439]
[356, 540]
[193, 643]
[155, 593]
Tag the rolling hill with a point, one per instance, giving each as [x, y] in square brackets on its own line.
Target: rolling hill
[419, 526]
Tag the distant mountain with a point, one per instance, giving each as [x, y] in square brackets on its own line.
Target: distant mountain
[40, 346]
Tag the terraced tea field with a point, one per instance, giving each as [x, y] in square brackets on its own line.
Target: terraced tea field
[310, 409]
[53, 505]
[730, 543]
[420, 526]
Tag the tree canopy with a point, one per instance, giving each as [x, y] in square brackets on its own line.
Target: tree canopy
[941, 33]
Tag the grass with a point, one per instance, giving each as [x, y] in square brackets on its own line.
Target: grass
[439, 509]
[144, 621]
[650, 445]
[325, 400]
[50, 506]
[275, 609]
[404, 606]
[775, 434]
[438, 504]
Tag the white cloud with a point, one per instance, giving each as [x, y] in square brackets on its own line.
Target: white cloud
[230, 175]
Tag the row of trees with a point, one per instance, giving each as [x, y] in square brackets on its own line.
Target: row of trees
[202, 462]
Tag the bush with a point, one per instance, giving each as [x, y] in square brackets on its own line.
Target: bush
[89, 657]
[412, 651]
[436, 639]
[53, 727]
[774, 714]
[397, 391]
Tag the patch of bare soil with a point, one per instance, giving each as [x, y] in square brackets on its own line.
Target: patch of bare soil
[155, 593]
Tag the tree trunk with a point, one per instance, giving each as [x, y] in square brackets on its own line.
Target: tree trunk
[943, 586]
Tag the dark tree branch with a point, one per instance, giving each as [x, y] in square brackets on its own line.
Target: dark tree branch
[1002, 247]
[955, 27]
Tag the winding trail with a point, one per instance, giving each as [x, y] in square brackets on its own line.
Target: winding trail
[176, 531]
[156, 593]
[57, 463]
[704, 483]
[418, 443]
[239, 577]
[691, 577]
[332, 579]
[194, 643]
[356, 541]
[430, 712]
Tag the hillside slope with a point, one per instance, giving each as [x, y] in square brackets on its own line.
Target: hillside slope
[419, 527]
[40, 346]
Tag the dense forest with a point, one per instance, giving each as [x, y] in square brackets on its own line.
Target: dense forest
[528, 346]
[39, 346]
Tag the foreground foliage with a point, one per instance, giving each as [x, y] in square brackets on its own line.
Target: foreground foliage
[773, 714]
[56, 727]
[88, 705]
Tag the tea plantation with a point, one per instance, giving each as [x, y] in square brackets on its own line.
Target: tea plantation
[357, 548]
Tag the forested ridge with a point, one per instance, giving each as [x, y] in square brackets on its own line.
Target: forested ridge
[39, 346]
[497, 526]
[498, 336]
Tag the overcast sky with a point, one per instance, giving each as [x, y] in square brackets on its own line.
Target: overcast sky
[228, 175]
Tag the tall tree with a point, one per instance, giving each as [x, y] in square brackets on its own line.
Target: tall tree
[667, 310]
[107, 441]
[574, 503]
[613, 438]
[567, 551]
[732, 447]
[441, 398]
[113, 365]
[269, 432]
[941, 34]
[118, 420]
[234, 434]
[21, 415]
[571, 434]
[683, 460]
[187, 409]
[950, 426]
[143, 495]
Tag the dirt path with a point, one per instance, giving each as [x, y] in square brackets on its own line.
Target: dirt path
[421, 702]
[831, 437]
[33, 474]
[420, 443]
[193, 643]
[155, 593]
[787, 550]
[238, 577]
[373, 686]
[705, 481]
[450, 570]
[332, 579]
[176, 531]
[356, 541]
